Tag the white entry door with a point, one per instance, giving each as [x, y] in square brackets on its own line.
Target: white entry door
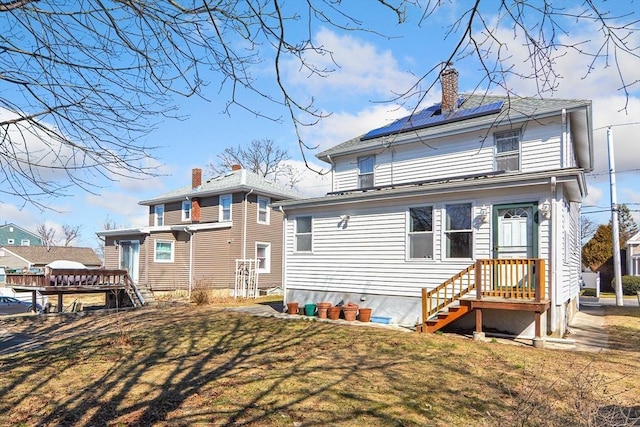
[129, 254]
[514, 237]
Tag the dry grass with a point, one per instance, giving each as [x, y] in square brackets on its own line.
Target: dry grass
[204, 365]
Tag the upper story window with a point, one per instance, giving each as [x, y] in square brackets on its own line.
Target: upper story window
[365, 171]
[263, 210]
[163, 251]
[25, 242]
[10, 241]
[159, 215]
[458, 233]
[420, 233]
[186, 210]
[304, 234]
[225, 207]
[507, 150]
[263, 257]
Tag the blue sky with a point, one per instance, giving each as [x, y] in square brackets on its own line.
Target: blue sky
[371, 68]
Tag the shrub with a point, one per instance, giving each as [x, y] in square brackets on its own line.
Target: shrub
[201, 292]
[630, 285]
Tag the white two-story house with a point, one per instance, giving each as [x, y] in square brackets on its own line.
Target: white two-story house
[469, 206]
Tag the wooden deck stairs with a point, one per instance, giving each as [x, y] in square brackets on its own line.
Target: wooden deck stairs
[504, 284]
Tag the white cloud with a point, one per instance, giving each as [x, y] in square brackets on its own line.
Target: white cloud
[343, 126]
[122, 208]
[594, 198]
[356, 67]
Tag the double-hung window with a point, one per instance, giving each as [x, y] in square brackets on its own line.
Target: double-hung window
[225, 207]
[458, 233]
[159, 215]
[25, 242]
[507, 151]
[365, 171]
[263, 257]
[163, 251]
[186, 210]
[420, 233]
[263, 210]
[304, 234]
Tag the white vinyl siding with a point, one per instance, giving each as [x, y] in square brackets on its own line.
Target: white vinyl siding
[461, 155]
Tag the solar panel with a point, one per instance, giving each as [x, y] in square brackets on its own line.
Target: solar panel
[427, 118]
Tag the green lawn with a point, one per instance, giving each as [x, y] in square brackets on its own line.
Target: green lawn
[190, 365]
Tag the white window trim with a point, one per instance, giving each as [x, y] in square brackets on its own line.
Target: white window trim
[267, 269]
[155, 215]
[497, 155]
[267, 214]
[155, 249]
[221, 211]
[296, 234]
[11, 241]
[25, 242]
[407, 233]
[444, 230]
[185, 217]
[372, 173]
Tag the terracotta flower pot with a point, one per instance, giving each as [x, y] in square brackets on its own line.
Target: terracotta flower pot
[292, 307]
[350, 311]
[334, 313]
[323, 308]
[364, 315]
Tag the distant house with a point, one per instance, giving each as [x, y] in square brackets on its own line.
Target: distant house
[633, 255]
[37, 257]
[12, 235]
[202, 234]
[471, 205]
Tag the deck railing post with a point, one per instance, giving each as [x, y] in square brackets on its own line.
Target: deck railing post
[478, 279]
[426, 306]
[540, 275]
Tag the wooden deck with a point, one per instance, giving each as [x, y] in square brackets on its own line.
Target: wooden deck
[75, 281]
[499, 284]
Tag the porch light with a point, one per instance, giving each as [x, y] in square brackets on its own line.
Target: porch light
[545, 209]
[483, 214]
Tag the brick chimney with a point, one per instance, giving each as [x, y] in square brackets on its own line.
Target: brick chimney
[236, 167]
[196, 177]
[196, 181]
[449, 80]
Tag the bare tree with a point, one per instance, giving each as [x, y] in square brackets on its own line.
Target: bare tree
[47, 234]
[82, 82]
[262, 157]
[587, 228]
[71, 233]
[109, 224]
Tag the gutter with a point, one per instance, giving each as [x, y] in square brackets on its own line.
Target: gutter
[553, 258]
[333, 165]
[283, 270]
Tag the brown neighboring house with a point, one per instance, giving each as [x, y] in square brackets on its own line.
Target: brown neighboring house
[196, 233]
[31, 257]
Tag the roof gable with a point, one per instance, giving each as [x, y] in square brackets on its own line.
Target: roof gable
[42, 255]
[475, 112]
[12, 231]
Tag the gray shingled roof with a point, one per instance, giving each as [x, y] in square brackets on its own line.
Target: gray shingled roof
[513, 110]
[240, 180]
[41, 255]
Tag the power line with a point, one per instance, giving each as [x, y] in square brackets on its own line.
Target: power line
[617, 125]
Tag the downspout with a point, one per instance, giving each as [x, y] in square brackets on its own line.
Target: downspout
[332, 176]
[563, 141]
[284, 254]
[553, 288]
[191, 235]
[244, 225]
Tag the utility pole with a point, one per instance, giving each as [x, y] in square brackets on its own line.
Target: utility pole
[615, 228]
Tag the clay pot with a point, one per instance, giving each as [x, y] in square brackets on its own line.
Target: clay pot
[350, 311]
[323, 307]
[292, 307]
[334, 313]
[364, 315]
